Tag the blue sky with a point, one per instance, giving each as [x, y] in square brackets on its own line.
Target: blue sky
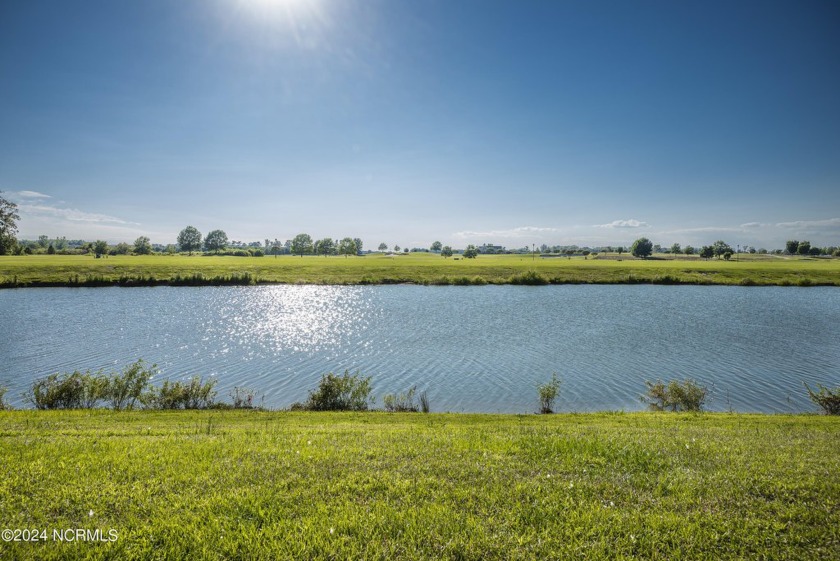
[406, 122]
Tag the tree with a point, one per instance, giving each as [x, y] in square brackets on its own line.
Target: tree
[325, 247]
[707, 252]
[216, 240]
[121, 248]
[383, 247]
[446, 251]
[688, 250]
[791, 246]
[436, 246]
[721, 247]
[471, 252]
[642, 247]
[142, 246]
[675, 249]
[358, 243]
[803, 248]
[302, 244]
[189, 239]
[620, 249]
[50, 250]
[100, 248]
[347, 246]
[8, 225]
[396, 248]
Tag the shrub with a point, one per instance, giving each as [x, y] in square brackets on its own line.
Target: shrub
[338, 393]
[243, 398]
[827, 398]
[124, 390]
[548, 393]
[687, 395]
[3, 405]
[58, 391]
[403, 402]
[424, 402]
[195, 394]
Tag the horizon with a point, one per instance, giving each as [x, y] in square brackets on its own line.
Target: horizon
[589, 124]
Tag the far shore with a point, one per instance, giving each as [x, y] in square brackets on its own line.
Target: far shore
[415, 268]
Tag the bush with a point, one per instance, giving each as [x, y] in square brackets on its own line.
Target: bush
[827, 399]
[424, 402]
[195, 394]
[675, 396]
[59, 391]
[401, 403]
[548, 393]
[126, 389]
[338, 393]
[3, 405]
[243, 398]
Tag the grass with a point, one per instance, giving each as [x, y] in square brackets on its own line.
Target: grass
[419, 268]
[280, 485]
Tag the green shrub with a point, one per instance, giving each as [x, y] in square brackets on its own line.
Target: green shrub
[338, 393]
[195, 394]
[530, 278]
[3, 405]
[826, 398]
[548, 394]
[243, 398]
[424, 402]
[126, 389]
[58, 391]
[687, 395]
[401, 403]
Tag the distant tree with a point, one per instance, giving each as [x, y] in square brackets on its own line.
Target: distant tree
[642, 247]
[347, 246]
[815, 251]
[396, 248]
[762, 251]
[121, 248]
[302, 244]
[707, 252]
[43, 241]
[446, 251]
[325, 247]
[657, 248]
[8, 225]
[405, 250]
[142, 246]
[727, 255]
[619, 249]
[675, 249]
[100, 248]
[688, 250]
[358, 243]
[383, 247]
[720, 247]
[803, 248]
[50, 250]
[275, 249]
[189, 239]
[216, 241]
[436, 246]
[471, 252]
[792, 246]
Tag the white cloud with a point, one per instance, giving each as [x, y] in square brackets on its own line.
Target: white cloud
[71, 214]
[32, 195]
[753, 225]
[632, 223]
[830, 223]
[510, 233]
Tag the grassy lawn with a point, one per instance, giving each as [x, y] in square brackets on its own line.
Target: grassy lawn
[279, 485]
[415, 268]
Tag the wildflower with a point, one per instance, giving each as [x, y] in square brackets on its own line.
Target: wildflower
[332, 530]
[90, 514]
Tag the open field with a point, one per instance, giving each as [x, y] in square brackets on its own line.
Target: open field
[78, 270]
[279, 485]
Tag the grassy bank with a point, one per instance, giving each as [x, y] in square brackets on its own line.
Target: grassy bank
[277, 485]
[78, 270]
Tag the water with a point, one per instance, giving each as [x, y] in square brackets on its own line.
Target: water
[476, 349]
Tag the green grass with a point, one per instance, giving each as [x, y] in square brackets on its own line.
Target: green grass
[77, 270]
[279, 485]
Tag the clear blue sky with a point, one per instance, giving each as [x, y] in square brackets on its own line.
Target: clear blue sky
[405, 122]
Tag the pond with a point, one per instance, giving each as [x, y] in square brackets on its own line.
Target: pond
[473, 349]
